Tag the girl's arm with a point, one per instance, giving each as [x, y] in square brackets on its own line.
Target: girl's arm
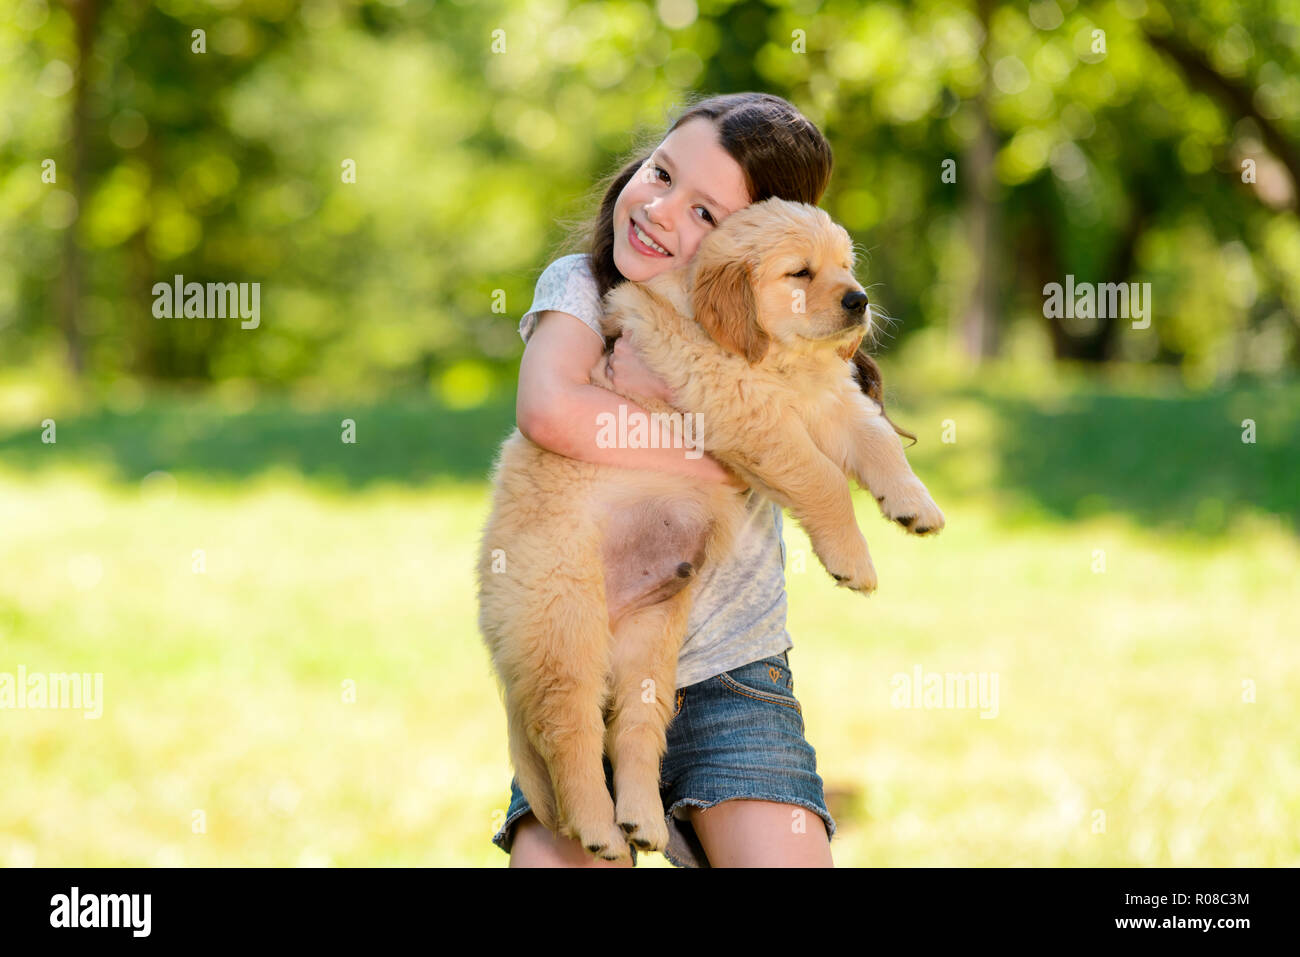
[557, 405]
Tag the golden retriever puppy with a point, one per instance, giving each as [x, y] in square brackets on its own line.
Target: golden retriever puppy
[586, 571]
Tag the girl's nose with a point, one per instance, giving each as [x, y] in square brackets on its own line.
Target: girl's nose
[658, 217]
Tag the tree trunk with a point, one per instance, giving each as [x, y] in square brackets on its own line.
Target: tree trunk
[1100, 345]
[85, 17]
[979, 323]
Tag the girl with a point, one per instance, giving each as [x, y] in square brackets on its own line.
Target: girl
[739, 780]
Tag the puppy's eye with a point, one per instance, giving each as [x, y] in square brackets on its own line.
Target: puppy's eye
[802, 272]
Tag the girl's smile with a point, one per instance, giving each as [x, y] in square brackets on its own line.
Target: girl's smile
[646, 246]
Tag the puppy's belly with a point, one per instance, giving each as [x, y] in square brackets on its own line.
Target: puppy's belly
[651, 551]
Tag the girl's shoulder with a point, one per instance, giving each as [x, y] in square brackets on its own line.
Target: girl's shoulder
[573, 268]
[566, 285]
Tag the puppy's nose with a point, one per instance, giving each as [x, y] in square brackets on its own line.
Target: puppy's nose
[854, 301]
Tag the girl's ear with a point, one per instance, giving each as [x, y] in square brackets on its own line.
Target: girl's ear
[723, 299]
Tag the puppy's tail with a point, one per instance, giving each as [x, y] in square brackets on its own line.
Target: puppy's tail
[872, 384]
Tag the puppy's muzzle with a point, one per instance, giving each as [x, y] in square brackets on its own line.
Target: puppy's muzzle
[855, 304]
[855, 301]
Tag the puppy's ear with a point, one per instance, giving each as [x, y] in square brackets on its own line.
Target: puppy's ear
[723, 299]
[873, 386]
[869, 378]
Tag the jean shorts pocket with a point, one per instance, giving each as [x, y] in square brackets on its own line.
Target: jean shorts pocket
[767, 679]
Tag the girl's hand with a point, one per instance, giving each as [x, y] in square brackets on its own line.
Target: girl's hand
[630, 375]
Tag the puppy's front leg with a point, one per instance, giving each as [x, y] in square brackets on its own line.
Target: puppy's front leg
[873, 454]
[795, 473]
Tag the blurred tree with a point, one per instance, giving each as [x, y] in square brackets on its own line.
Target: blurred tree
[394, 175]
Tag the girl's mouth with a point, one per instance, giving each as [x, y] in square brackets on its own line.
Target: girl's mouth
[642, 246]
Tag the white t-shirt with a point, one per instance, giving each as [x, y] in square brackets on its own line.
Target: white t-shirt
[739, 611]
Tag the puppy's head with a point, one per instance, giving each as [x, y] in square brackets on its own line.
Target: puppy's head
[778, 273]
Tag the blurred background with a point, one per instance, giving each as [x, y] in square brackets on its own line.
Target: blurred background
[264, 539]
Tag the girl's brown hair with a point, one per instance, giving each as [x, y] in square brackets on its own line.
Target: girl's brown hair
[780, 152]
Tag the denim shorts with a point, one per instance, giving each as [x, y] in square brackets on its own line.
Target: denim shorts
[739, 734]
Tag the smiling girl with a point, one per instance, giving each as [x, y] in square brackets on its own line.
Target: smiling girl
[739, 780]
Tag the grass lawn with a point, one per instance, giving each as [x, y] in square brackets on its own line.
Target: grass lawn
[285, 626]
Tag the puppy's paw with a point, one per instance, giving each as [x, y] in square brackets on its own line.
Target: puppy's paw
[851, 568]
[608, 842]
[641, 818]
[866, 584]
[911, 506]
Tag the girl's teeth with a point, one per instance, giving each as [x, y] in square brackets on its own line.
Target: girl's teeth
[648, 241]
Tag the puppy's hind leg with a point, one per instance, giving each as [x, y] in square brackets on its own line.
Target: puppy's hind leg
[562, 692]
[530, 770]
[646, 644]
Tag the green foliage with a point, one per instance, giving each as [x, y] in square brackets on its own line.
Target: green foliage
[228, 165]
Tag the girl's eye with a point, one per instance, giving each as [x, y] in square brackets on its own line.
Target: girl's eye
[660, 169]
[802, 272]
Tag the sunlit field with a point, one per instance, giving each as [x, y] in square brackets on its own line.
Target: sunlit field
[285, 626]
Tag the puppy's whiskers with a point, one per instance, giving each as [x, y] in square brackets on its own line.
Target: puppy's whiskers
[881, 326]
[881, 321]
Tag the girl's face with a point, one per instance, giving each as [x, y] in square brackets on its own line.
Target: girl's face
[686, 188]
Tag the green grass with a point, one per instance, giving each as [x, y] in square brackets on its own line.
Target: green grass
[329, 566]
